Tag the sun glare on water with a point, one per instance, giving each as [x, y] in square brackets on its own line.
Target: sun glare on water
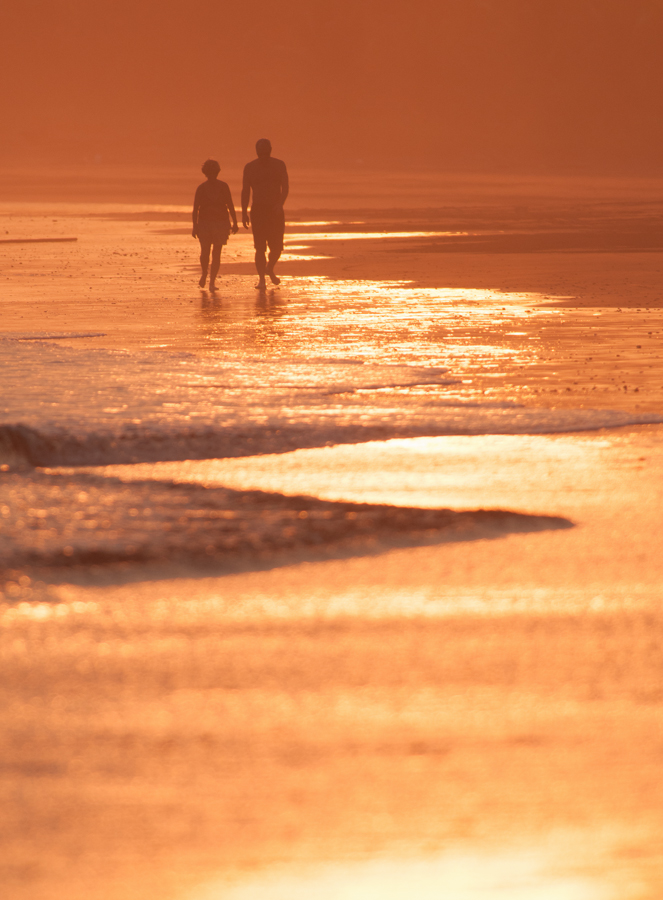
[516, 876]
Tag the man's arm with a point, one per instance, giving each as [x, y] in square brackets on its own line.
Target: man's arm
[285, 185]
[246, 196]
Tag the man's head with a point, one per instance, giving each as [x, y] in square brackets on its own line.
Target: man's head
[263, 148]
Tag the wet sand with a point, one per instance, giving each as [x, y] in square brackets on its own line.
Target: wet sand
[478, 700]
[500, 698]
[130, 279]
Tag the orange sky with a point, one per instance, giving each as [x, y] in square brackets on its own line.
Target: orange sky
[483, 85]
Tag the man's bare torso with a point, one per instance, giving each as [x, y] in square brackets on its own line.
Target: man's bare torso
[267, 179]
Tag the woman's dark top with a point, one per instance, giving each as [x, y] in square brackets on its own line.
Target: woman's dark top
[211, 203]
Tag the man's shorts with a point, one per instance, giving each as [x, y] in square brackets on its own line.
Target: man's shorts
[213, 233]
[268, 226]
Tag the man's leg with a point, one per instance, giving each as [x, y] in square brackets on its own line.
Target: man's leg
[260, 243]
[216, 262]
[274, 256]
[261, 267]
[275, 241]
[204, 259]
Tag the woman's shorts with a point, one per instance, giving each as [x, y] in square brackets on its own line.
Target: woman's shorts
[212, 234]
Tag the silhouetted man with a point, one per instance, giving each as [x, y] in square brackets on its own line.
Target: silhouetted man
[267, 178]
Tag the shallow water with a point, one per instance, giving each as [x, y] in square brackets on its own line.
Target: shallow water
[322, 361]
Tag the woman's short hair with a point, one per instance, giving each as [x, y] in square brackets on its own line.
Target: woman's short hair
[211, 167]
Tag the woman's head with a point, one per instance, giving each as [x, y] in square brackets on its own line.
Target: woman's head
[211, 168]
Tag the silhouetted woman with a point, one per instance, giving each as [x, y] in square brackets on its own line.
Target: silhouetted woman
[213, 209]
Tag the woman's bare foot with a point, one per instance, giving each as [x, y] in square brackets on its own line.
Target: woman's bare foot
[203, 279]
[262, 284]
[212, 285]
[272, 277]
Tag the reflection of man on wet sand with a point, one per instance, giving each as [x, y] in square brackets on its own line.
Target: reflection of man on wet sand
[268, 179]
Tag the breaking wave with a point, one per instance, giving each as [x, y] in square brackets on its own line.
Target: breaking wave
[22, 445]
[65, 406]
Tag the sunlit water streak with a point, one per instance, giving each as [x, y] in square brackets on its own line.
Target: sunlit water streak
[361, 235]
[389, 321]
[511, 876]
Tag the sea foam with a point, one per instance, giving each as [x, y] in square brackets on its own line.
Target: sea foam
[67, 406]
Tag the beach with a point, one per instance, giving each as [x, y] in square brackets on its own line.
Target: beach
[348, 585]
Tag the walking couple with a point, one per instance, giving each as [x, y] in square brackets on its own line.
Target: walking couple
[266, 185]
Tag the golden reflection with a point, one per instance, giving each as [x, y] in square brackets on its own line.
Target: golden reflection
[210, 305]
[317, 223]
[289, 256]
[42, 611]
[423, 326]
[366, 235]
[526, 875]
[405, 290]
[386, 321]
[480, 470]
[270, 303]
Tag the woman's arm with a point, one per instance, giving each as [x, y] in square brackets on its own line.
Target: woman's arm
[231, 209]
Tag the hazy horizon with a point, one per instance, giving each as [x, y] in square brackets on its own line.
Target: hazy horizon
[447, 85]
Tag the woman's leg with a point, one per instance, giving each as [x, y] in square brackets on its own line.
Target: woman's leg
[216, 262]
[204, 259]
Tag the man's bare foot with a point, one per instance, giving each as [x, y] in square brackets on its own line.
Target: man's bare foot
[262, 284]
[203, 279]
[272, 277]
[212, 285]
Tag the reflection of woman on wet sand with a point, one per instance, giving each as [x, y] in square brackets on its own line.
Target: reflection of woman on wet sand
[211, 222]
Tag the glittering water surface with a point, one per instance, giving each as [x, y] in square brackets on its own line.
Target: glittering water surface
[390, 321]
[322, 361]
